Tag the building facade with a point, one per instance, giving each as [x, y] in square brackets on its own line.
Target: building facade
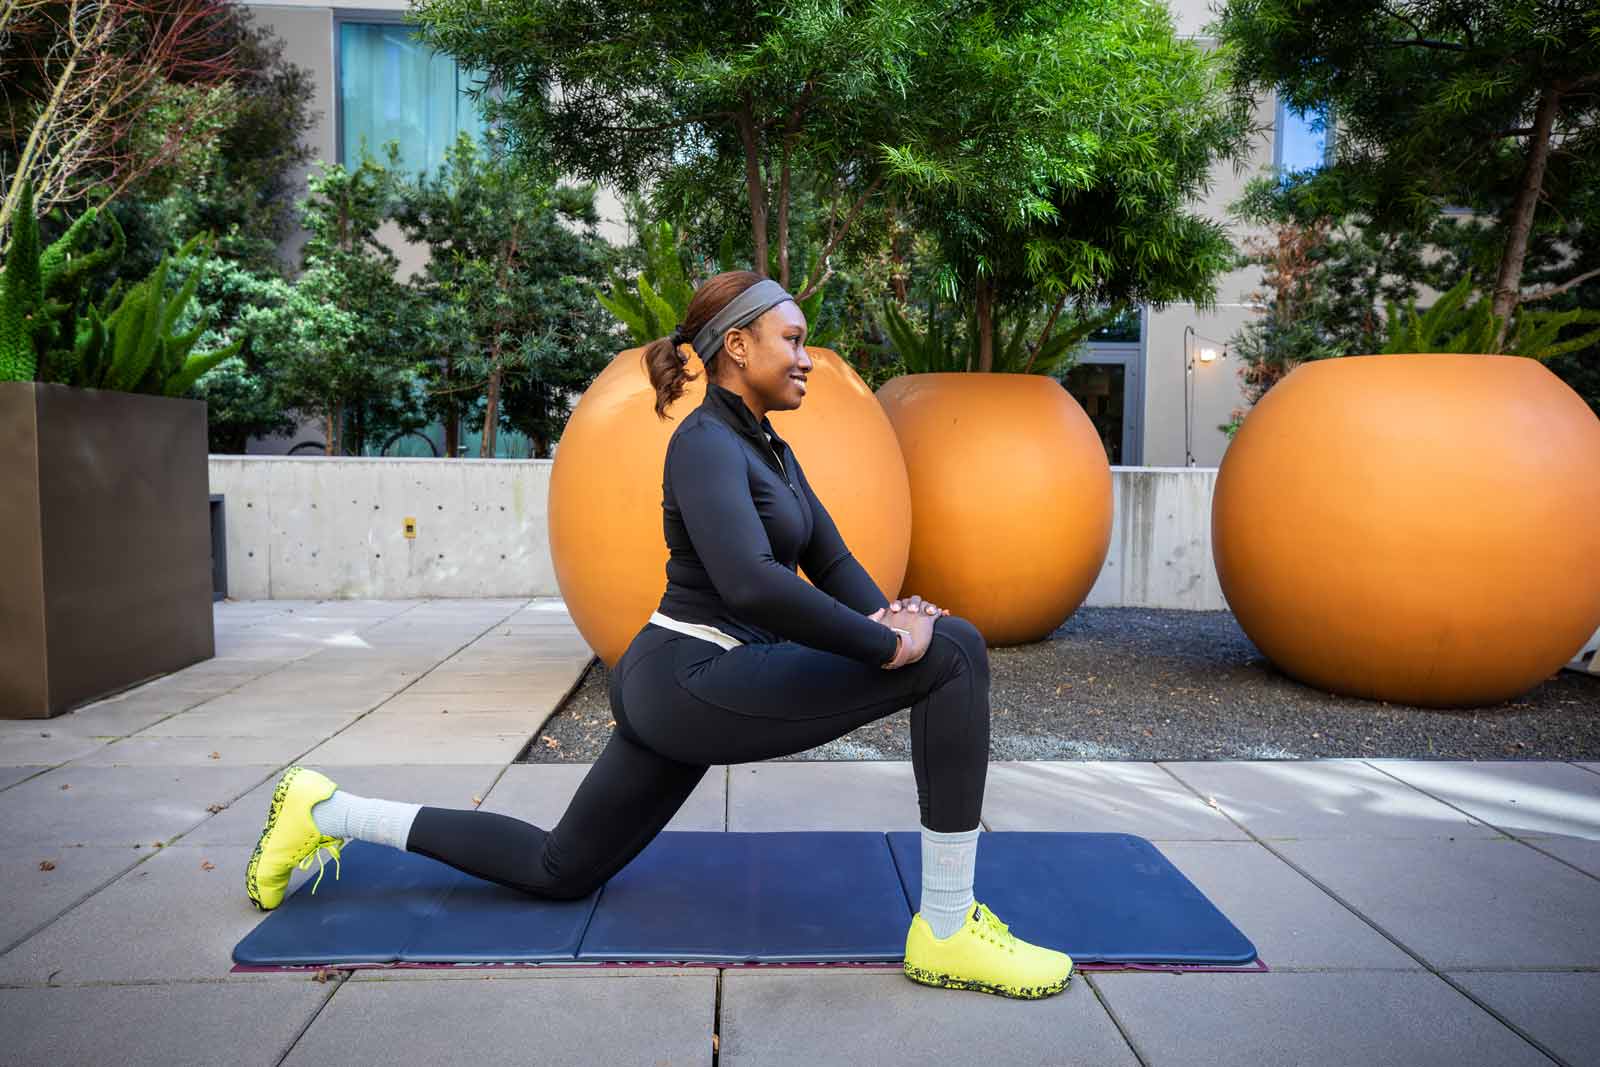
[1158, 394]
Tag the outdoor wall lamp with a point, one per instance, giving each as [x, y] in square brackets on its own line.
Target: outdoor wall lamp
[1202, 350]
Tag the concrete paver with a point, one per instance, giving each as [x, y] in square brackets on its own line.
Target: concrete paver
[116, 805]
[246, 1023]
[1580, 852]
[838, 1017]
[372, 746]
[267, 720]
[539, 793]
[1556, 1009]
[1464, 903]
[822, 796]
[170, 918]
[644, 1018]
[1291, 922]
[41, 744]
[12, 775]
[142, 751]
[1330, 1019]
[1520, 798]
[1324, 799]
[35, 893]
[1090, 797]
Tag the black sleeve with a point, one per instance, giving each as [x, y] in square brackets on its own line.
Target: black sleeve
[828, 562]
[712, 487]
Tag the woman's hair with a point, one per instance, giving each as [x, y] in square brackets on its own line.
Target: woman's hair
[667, 367]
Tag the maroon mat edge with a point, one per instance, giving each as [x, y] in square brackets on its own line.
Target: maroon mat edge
[1258, 967]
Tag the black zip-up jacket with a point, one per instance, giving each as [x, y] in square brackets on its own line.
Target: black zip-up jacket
[739, 516]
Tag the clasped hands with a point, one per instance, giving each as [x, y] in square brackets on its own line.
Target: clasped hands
[914, 617]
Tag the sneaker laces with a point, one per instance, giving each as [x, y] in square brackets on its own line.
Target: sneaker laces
[996, 930]
[333, 845]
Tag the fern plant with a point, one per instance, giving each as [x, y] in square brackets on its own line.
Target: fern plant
[1453, 325]
[941, 349]
[653, 304]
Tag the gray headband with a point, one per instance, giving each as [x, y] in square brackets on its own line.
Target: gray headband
[742, 310]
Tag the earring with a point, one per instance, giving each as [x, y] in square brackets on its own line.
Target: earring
[741, 365]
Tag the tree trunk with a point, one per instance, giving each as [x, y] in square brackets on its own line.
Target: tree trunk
[491, 412]
[783, 218]
[985, 325]
[897, 275]
[755, 188]
[1508, 286]
[452, 417]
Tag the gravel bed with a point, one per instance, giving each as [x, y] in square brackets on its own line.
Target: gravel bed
[1141, 684]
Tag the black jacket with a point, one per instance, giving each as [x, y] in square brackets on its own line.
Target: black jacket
[739, 515]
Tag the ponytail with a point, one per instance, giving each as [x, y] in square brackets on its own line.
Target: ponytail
[665, 362]
[668, 368]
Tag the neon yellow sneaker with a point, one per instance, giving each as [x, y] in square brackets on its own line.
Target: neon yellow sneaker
[984, 955]
[290, 839]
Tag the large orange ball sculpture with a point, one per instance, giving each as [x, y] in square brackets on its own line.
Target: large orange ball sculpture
[1010, 498]
[606, 538]
[1420, 529]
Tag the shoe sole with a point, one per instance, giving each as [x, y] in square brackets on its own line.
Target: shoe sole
[279, 795]
[945, 981]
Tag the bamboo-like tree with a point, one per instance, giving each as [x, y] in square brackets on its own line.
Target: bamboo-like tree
[688, 101]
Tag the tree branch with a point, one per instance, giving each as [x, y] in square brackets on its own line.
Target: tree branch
[1556, 290]
[833, 241]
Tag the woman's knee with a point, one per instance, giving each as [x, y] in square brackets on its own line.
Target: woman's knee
[970, 646]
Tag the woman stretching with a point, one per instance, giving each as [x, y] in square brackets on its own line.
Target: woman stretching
[743, 660]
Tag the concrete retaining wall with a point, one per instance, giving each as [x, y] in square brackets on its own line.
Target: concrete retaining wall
[319, 527]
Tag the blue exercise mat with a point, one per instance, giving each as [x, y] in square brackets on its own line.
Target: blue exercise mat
[753, 898]
[1100, 898]
[750, 898]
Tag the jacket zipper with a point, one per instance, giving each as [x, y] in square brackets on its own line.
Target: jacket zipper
[781, 470]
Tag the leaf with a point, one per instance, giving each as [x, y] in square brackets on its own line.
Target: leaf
[47, 865]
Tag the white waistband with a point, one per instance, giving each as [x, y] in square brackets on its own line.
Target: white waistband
[696, 629]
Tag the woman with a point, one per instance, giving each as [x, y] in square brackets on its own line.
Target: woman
[743, 660]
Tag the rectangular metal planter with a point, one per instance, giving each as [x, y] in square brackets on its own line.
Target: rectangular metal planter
[105, 541]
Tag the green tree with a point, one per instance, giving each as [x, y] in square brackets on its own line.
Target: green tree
[513, 262]
[1490, 105]
[1071, 174]
[340, 342]
[707, 107]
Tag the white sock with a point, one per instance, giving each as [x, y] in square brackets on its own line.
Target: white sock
[948, 862]
[383, 822]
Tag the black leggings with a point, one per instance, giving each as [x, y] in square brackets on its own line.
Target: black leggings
[682, 703]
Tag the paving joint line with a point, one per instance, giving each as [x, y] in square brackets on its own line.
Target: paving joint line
[1373, 923]
[1497, 829]
[343, 977]
[1105, 1006]
[1581, 767]
[716, 1021]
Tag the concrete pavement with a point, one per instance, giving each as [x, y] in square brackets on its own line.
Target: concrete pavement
[1411, 912]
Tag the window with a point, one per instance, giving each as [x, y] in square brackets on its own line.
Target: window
[393, 88]
[1302, 142]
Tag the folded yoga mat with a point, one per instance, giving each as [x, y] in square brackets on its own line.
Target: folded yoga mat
[749, 898]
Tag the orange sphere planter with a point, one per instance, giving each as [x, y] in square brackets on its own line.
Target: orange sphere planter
[606, 539]
[1421, 529]
[1010, 498]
